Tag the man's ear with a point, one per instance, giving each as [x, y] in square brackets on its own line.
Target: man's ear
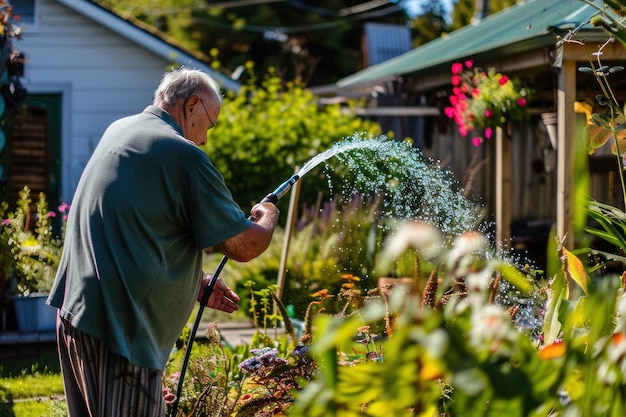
[191, 102]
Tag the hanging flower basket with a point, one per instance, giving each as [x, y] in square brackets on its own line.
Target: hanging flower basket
[484, 100]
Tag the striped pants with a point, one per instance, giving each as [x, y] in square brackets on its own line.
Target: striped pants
[99, 383]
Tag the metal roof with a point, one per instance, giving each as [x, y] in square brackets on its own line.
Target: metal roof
[522, 27]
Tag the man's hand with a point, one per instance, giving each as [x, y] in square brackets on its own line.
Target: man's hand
[222, 297]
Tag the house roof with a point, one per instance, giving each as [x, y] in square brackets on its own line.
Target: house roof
[148, 38]
[519, 28]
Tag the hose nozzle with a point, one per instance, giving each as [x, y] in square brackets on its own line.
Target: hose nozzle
[281, 190]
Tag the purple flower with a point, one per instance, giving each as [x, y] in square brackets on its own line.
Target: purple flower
[250, 365]
[300, 351]
[264, 358]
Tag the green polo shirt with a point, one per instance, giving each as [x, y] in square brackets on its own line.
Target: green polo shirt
[147, 204]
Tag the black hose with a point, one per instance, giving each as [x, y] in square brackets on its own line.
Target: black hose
[271, 198]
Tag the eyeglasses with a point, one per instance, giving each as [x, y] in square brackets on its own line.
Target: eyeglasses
[207, 115]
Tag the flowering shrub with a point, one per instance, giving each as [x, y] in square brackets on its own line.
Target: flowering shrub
[464, 348]
[31, 255]
[481, 337]
[484, 100]
[258, 379]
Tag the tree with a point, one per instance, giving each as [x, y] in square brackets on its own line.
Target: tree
[314, 41]
[431, 24]
[464, 10]
[462, 14]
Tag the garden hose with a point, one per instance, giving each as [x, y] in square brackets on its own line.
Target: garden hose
[272, 197]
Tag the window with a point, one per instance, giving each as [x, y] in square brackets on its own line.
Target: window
[25, 9]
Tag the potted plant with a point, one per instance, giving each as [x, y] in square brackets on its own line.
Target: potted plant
[31, 252]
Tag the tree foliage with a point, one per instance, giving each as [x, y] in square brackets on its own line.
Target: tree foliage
[316, 41]
[465, 10]
[431, 24]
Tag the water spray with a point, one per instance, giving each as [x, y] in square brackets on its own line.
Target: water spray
[449, 210]
[272, 197]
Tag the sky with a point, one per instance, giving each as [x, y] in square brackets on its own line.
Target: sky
[415, 6]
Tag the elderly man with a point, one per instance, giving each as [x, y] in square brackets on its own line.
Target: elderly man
[148, 203]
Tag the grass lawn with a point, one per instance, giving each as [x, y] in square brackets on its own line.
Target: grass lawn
[32, 387]
[27, 388]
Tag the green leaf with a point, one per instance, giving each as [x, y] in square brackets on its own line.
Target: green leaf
[599, 119]
[611, 222]
[515, 277]
[609, 256]
[603, 101]
[595, 136]
[557, 292]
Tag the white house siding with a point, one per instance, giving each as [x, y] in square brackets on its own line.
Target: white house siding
[101, 75]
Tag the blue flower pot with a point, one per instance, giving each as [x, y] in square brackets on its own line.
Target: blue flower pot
[33, 314]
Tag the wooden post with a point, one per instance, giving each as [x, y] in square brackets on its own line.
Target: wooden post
[291, 220]
[565, 150]
[503, 181]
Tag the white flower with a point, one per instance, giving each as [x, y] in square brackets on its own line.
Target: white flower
[466, 249]
[490, 326]
[479, 280]
[422, 237]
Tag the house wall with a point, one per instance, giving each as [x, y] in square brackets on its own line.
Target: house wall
[101, 75]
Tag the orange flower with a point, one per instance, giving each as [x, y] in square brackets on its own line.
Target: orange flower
[322, 294]
[350, 278]
[555, 350]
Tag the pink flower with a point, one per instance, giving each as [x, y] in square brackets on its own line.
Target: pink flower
[63, 207]
[474, 89]
[174, 377]
[457, 67]
[168, 396]
[6, 222]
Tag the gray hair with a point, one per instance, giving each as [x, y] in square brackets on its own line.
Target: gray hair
[181, 83]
